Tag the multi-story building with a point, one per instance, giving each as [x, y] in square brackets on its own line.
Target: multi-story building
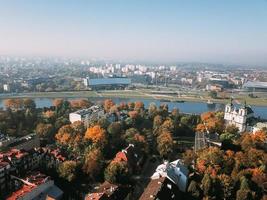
[86, 115]
[238, 117]
[35, 186]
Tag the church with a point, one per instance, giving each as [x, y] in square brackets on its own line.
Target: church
[238, 116]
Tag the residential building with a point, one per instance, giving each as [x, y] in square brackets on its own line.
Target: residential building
[35, 186]
[86, 115]
[259, 126]
[175, 171]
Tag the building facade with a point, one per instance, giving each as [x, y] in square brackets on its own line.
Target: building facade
[238, 117]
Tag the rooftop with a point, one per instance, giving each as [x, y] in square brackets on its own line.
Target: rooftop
[255, 84]
[29, 183]
[153, 188]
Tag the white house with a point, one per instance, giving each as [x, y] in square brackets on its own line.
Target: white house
[259, 126]
[85, 115]
[238, 116]
[175, 171]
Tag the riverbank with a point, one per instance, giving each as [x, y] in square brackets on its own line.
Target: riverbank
[144, 94]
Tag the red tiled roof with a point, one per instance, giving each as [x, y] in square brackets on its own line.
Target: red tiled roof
[121, 156]
[35, 179]
[21, 192]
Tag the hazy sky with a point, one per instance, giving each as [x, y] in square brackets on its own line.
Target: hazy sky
[222, 31]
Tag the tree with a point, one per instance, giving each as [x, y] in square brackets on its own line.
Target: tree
[44, 130]
[64, 134]
[244, 194]
[227, 184]
[117, 172]
[157, 122]
[29, 104]
[67, 170]
[213, 94]
[108, 103]
[14, 104]
[232, 129]
[80, 103]
[188, 157]
[115, 129]
[96, 134]
[152, 110]
[93, 163]
[206, 185]
[193, 190]
[133, 114]
[139, 105]
[168, 126]
[165, 144]
[57, 102]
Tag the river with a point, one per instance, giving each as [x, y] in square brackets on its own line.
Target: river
[186, 107]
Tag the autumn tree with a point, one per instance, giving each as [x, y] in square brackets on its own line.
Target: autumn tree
[64, 134]
[67, 170]
[44, 130]
[117, 172]
[29, 104]
[152, 110]
[165, 144]
[194, 190]
[14, 104]
[96, 134]
[139, 105]
[80, 103]
[108, 103]
[93, 163]
[57, 102]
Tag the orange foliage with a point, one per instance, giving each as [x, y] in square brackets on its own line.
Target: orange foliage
[13, 103]
[206, 116]
[80, 103]
[201, 166]
[108, 103]
[201, 128]
[123, 106]
[96, 134]
[49, 114]
[139, 105]
[259, 137]
[258, 176]
[57, 102]
[139, 138]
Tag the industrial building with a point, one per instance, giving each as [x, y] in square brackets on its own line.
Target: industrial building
[255, 86]
[107, 83]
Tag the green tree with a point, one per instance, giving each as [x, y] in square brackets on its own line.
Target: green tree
[194, 190]
[117, 172]
[67, 170]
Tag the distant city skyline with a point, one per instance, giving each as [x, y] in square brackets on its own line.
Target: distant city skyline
[233, 32]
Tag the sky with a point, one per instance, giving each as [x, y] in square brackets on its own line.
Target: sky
[216, 31]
